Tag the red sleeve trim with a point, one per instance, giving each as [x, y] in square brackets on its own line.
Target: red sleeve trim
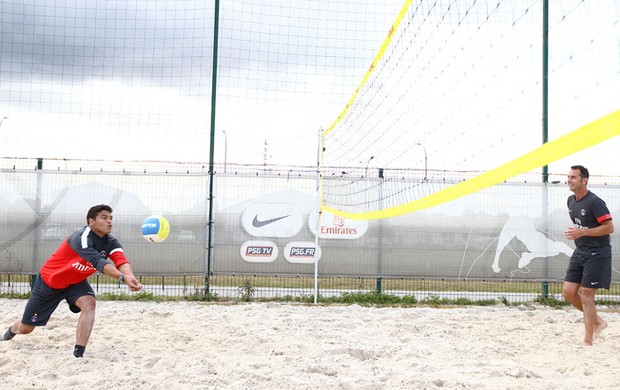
[118, 257]
[604, 218]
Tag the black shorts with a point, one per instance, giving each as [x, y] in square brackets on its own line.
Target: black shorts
[590, 267]
[44, 300]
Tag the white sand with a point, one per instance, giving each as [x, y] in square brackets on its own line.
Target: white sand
[188, 345]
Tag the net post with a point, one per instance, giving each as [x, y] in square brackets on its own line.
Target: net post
[319, 154]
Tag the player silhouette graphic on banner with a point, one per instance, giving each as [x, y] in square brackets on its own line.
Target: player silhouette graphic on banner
[537, 244]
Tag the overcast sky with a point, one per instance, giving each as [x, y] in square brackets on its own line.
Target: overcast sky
[138, 74]
[132, 79]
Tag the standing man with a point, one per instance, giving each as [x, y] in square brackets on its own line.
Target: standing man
[589, 267]
[64, 276]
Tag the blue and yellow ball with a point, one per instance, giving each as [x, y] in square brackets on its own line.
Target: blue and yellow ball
[155, 229]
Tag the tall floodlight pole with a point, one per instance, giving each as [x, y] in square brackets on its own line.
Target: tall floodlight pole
[225, 149]
[2, 120]
[367, 164]
[425, 160]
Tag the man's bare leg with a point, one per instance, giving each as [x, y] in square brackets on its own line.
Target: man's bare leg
[594, 323]
[17, 328]
[599, 323]
[87, 305]
[589, 313]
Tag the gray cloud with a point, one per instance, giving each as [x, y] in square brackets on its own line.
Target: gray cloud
[148, 40]
[166, 42]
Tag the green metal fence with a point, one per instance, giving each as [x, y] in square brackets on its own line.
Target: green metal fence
[279, 287]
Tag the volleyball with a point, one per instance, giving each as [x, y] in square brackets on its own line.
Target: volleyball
[155, 229]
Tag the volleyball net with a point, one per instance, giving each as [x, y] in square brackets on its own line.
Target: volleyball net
[459, 87]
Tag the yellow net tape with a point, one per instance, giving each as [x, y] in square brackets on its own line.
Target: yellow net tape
[582, 138]
[373, 65]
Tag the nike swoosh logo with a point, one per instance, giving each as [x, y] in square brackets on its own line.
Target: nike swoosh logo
[594, 283]
[257, 223]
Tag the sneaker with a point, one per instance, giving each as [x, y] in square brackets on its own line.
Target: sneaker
[8, 335]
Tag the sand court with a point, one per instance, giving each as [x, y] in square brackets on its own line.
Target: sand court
[192, 345]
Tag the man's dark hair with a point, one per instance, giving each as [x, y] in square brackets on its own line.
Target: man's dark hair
[92, 213]
[583, 171]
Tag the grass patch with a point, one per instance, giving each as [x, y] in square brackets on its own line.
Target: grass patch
[436, 301]
[247, 290]
[367, 298]
[15, 295]
[120, 296]
[551, 301]
[201, 294]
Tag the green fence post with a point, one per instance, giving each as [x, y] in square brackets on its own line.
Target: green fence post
[545, 289]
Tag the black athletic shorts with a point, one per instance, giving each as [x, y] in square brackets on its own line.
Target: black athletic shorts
[44, 300]
[590, 267]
